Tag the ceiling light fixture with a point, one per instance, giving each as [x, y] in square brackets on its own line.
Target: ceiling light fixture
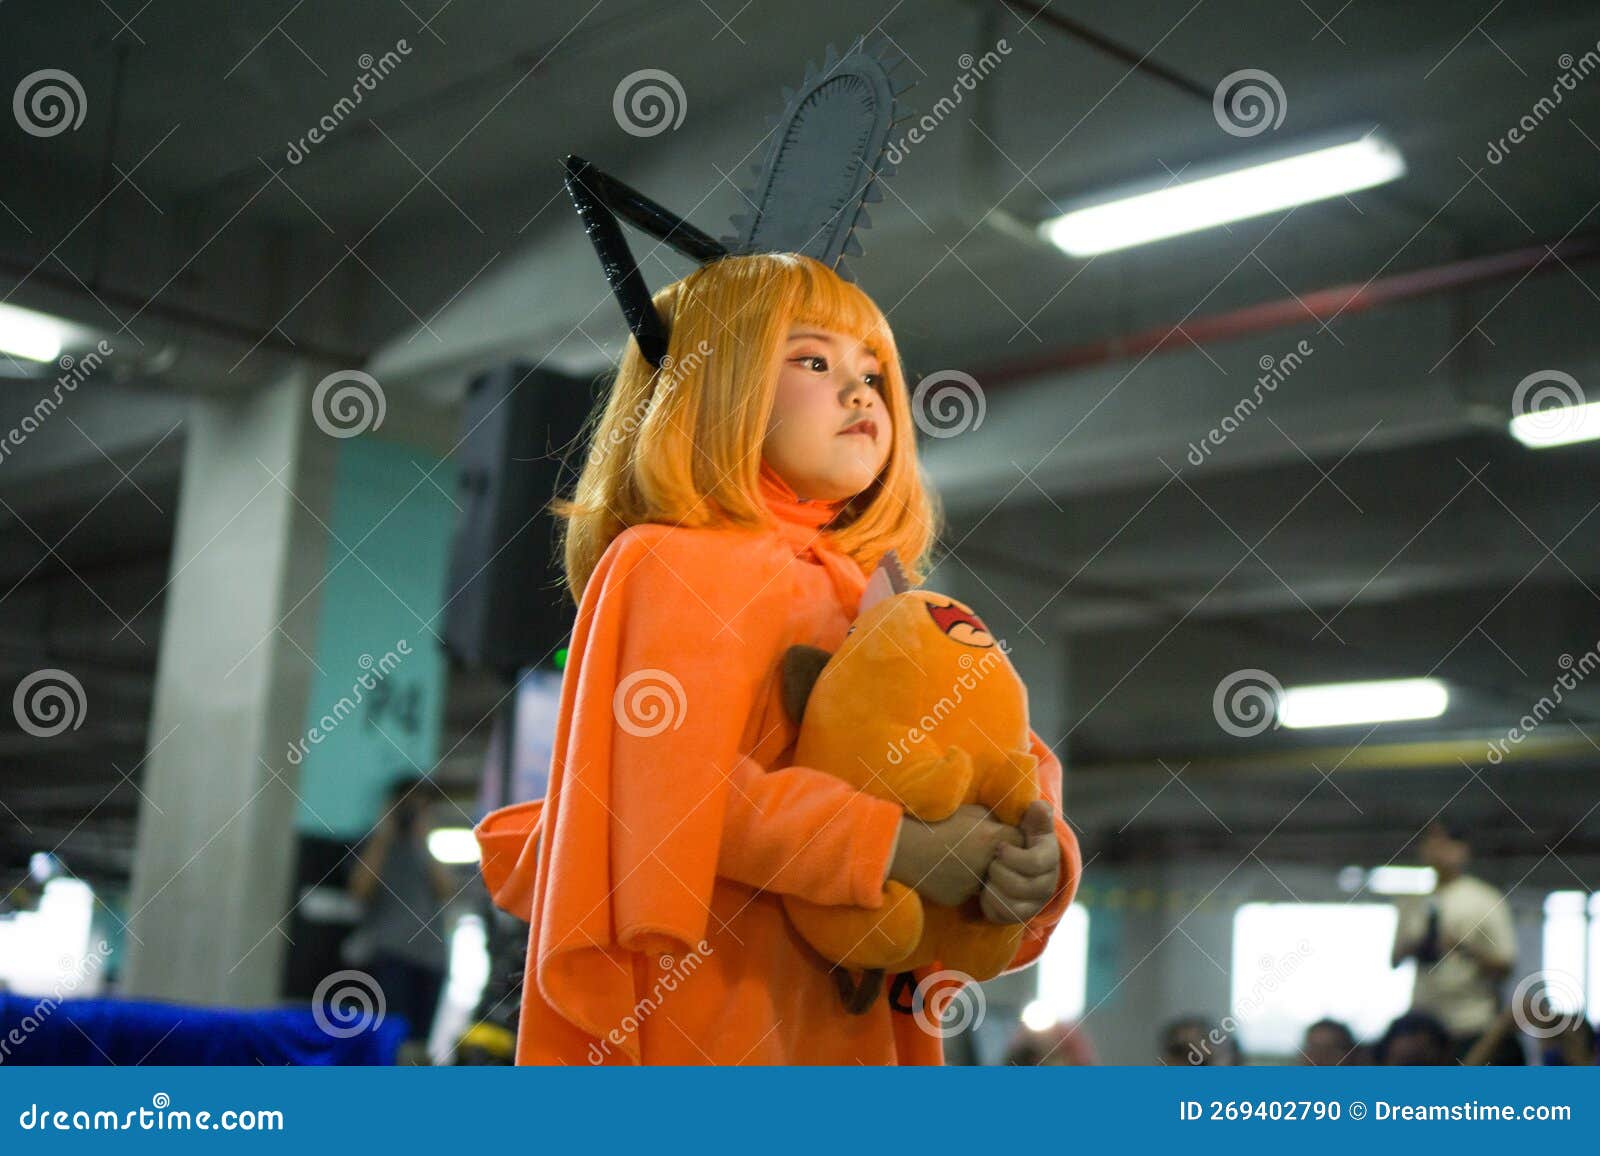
[1350, 703]
[1217, 196]
[36, 336]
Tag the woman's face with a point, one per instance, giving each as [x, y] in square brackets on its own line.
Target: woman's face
[829, 434]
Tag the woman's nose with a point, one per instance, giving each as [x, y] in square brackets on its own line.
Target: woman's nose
[856, 389]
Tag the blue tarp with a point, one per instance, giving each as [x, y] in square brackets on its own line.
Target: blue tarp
[35, 1030]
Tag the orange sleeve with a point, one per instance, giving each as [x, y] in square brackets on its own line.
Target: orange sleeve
[804, 832]
[1036, 932]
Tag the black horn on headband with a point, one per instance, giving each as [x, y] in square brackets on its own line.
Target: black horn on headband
[600, 200]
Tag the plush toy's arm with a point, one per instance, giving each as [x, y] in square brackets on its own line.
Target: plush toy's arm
[1036, 932]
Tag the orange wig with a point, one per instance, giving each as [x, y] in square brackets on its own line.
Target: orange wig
[681, 444]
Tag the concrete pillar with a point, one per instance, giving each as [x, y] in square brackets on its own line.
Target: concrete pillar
[215, 856]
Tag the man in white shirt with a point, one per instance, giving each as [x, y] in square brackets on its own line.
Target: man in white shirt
[1462, 939]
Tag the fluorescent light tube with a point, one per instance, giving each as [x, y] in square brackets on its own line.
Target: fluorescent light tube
[453, 845]
[1187, 206]
[1542, 428]
[1392, 880]
[1348, 703]
[24, 333]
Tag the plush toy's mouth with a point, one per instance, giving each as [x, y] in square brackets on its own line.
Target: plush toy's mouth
[960, 624]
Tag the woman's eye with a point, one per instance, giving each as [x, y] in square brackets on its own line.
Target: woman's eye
[875, 380]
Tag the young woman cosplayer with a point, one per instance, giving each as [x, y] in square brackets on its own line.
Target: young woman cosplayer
[732, 503]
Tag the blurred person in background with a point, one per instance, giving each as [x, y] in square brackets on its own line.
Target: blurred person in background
[402, 939]
[1329, 1044]
[1563, 1039]
[1576, 1044]
[1415, 1039]
[1464, 944]
[1194, 1041]
[1060, 1045]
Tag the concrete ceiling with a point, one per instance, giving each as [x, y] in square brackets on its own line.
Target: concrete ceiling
[1371, 519]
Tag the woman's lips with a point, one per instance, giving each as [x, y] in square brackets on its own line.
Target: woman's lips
[869, 428]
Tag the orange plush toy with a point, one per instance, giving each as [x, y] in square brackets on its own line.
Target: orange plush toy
[919, 705]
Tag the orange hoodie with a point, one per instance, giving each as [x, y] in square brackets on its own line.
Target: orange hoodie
[651, 872]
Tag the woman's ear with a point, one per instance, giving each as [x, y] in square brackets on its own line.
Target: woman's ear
[800, 669]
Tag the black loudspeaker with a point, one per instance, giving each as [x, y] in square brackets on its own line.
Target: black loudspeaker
[322, 917]
[507, 604]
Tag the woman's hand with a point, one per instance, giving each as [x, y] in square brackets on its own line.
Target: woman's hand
[1021, 879]
[945, 862]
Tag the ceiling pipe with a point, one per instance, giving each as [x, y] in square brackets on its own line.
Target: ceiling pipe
[1137, 61]
[1319, 305]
